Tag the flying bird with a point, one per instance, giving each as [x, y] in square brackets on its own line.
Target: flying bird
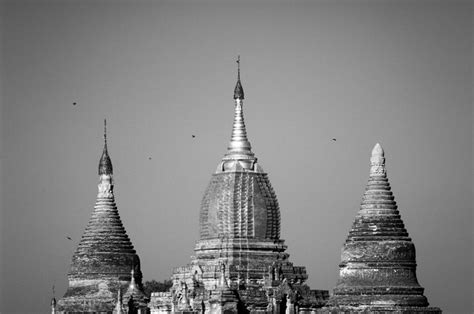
[334, 139]
[74, 103]
[193, 136]
[68, 237]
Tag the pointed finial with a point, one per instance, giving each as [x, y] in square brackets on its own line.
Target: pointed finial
[105, 164]
[377, 150]
[377, 161]
[238, 91]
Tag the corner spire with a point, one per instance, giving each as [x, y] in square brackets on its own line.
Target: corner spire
[132, 279]
[238, 91]
[105, 164]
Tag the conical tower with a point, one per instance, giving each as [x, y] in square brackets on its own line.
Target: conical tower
[239, 232]
[134, 299]
[101, 263]
[378, 264]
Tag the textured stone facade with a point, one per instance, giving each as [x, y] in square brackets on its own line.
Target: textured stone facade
[102, 262]
[378, 264]
[240, 264]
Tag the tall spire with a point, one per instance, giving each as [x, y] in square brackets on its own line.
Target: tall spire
[106, 186]
[104, 254]
[105, 164]
[239, 147]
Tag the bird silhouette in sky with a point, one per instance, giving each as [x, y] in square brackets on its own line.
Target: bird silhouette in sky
[193, 136]
[74, 103]
[68, 237]
[334, 139]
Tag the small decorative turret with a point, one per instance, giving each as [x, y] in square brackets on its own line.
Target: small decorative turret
[222, 284]
[53, 303]
[118, 305]
[134, 298]
[132, 285]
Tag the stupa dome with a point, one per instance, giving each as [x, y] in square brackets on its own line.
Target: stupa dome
[378, 262]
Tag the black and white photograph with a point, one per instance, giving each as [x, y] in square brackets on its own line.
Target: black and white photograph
[236, 156]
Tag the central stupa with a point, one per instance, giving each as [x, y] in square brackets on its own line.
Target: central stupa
[240, 264]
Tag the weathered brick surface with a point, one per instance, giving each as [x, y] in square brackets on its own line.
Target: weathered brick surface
[240, 204]
[240, 229]
[103, 260]
[378, 262]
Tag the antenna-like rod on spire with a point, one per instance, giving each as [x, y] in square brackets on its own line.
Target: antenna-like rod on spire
[105, 131]
[238, 67]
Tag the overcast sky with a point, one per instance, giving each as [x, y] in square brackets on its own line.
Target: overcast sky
[394, 72]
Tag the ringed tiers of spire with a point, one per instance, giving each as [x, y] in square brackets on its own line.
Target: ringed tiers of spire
[240, 264]
[378, 264]
[102, 261]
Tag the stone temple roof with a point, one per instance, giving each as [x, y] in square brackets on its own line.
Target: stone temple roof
[102, 261]
[105, 232]
[378, 264]
[239, 263]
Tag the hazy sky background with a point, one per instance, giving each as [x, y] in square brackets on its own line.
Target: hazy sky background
[398, 72]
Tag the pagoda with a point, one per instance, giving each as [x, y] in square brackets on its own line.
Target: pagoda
[101, 264]
[378, 264]
[240, 264]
